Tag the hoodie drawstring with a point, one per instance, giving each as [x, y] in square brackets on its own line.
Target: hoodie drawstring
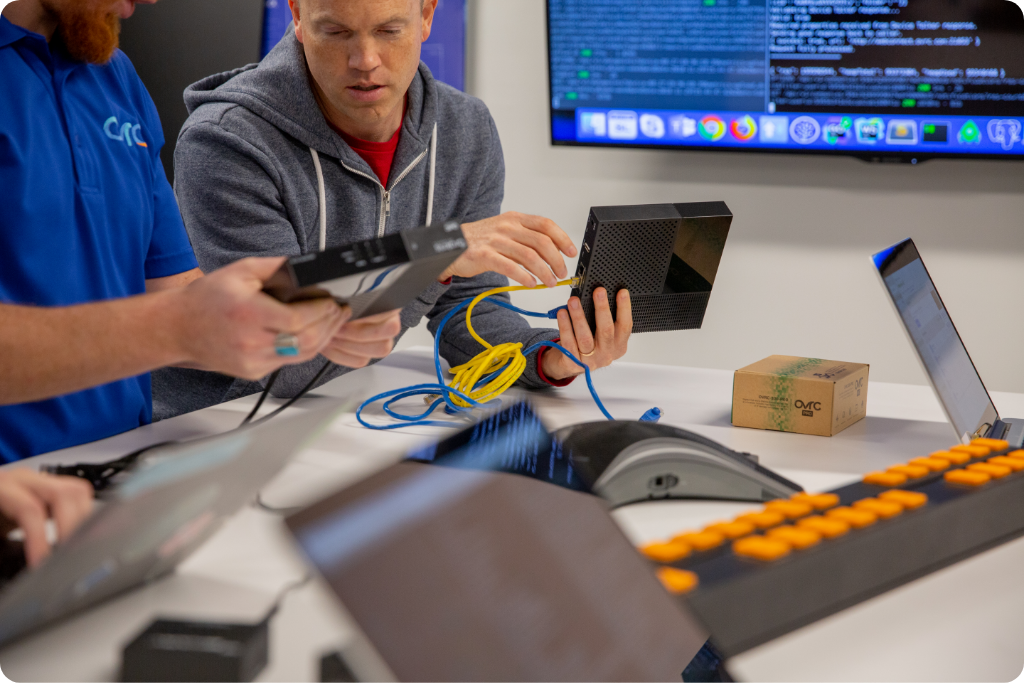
[430, 183]
[323, 197]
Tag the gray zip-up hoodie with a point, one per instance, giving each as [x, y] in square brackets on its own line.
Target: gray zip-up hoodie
[249, 167]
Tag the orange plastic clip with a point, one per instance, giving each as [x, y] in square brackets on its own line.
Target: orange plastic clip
[856, 518]
[677, 581]
[797, 537]
[763, 519]
[883, 508]
[701, 540]
[666, 552]
[908, 499]
[761, 548]
[966, 477]
[818, 501]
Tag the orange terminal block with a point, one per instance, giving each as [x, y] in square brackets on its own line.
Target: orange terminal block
[677, 581]
[885, 478]
[731, 530]
[995, 471]
[829, 528]
[955, 457]
[701, 540]
[908, 499]
[854, 517]
[763, 519]
[797, 537]
[790, 509]
[933, 463]
[975, 451]
[883, 508]
[819, 501]
[966, 477]
[994, 444]
[1015, 464]
[761, 548]
[666, 552]
[912, 471]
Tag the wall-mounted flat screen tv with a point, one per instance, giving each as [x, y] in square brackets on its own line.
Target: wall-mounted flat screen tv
[878, 79]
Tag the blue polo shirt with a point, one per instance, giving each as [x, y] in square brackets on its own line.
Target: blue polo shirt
[86, 214]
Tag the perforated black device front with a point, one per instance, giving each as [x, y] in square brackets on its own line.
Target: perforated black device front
[632, 247]
[632, 255]
[664, 312]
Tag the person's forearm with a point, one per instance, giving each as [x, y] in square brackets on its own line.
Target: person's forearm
[47, 352]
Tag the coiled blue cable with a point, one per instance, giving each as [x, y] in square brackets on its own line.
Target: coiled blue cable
[444, 392]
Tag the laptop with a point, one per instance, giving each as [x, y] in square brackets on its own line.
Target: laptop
[466, 564]
[942, 353]
[176, 497]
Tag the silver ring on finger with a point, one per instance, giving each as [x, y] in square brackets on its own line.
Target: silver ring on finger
[286, 344]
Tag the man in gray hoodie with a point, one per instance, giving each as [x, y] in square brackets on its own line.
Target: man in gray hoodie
[342, 134]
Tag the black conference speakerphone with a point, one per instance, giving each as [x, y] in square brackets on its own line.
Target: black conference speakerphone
[766, 578]
[666, 255]
[371, 276]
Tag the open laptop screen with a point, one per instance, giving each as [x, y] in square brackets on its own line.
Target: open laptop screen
[938, 345]
[513, 440]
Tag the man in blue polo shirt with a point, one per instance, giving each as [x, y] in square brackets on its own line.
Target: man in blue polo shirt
[98, 282]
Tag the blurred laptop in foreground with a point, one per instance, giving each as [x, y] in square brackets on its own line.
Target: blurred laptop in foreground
[177, 496]
[467, 574]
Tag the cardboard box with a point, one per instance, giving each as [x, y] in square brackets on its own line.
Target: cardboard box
[803, 395]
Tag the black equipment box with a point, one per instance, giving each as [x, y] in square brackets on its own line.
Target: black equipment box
[170, 650]
[666, 255]
[372, 276]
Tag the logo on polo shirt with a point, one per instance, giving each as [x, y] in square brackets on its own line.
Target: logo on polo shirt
[124, 132]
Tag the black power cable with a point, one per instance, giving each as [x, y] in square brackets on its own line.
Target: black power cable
[263, 397]
[305, 390]
[100, 475]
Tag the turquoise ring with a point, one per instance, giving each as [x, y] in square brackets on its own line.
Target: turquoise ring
[286, 344]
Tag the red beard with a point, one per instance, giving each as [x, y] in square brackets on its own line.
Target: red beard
[88, 28]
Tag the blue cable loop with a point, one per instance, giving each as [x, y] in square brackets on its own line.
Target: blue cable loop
[445, 392]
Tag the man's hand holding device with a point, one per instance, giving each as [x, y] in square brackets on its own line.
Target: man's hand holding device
[229, 304]
[597, 349]
[526, 249]
[360, 341]
[228, 324]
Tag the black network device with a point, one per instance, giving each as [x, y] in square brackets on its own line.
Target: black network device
[666, 255]
[371, 276]
[170, 650]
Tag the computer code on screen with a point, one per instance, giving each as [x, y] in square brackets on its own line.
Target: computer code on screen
[513, 440]
[658, 54]
[912, 76]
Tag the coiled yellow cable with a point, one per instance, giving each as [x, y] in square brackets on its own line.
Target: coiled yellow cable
[508, 356]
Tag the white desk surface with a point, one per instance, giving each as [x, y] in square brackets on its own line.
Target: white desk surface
[964, 623]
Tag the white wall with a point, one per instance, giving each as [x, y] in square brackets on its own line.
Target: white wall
[796, 277]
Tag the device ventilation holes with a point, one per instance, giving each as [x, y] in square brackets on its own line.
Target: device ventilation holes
[617, 265]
